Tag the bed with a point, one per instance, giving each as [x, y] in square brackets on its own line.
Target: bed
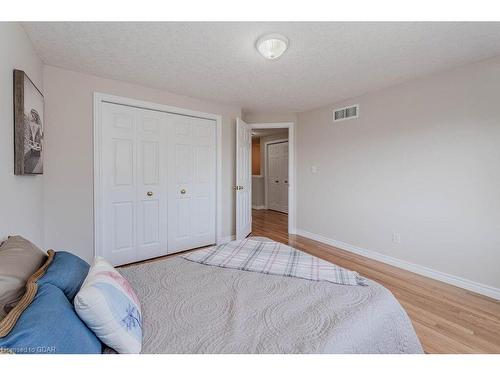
[196, 308]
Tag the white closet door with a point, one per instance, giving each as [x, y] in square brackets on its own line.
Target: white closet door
[277, 176]
[133, 203]
[191, 182]
[151, 182]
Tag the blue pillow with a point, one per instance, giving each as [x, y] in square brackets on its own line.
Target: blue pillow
[49, 325]
[67, 272]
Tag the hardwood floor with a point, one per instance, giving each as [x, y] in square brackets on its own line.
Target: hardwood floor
[447, 319]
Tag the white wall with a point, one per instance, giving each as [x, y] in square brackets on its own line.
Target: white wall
[258, 191]
[262, 117]
[69, 156]
[423, 160]
[21, 197]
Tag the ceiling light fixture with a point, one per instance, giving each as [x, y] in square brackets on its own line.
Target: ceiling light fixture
[272, 46]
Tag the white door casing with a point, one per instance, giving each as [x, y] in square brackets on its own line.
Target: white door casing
[277, 176]
[191, 182]
[243, 187]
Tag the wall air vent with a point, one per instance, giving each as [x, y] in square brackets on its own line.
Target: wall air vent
[346, 113]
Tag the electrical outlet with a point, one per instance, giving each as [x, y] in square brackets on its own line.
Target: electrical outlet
[396, 237]
[314, 169]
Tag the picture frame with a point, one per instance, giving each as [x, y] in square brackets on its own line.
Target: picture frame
[28, 126]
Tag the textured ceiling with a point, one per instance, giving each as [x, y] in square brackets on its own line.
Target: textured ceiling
[325, 62]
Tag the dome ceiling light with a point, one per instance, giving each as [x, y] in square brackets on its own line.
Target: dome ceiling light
[272, 46]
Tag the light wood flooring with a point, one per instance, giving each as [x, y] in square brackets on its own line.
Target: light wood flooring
[447, 319]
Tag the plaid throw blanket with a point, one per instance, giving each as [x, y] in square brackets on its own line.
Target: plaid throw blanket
[273, 258]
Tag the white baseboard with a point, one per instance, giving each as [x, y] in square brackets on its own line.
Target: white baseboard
[421, 270]
[259, 207]
[223, 240]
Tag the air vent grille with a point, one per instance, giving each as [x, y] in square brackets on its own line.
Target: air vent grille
[346, 113]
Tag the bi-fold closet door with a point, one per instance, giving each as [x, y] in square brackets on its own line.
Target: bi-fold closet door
[158, 181]
[191, 182]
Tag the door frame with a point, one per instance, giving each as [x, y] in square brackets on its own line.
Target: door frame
[99, 99]
[266, 169]
[292, 207]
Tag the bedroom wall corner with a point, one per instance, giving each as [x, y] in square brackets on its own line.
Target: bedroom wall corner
[21, 198]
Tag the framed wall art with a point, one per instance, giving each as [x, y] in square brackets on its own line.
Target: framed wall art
[28, 126]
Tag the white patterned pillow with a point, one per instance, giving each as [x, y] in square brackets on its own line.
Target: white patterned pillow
[110, 308]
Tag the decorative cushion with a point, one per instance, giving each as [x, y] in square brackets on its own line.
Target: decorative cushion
[50, 325]
[7, 323]
[67, 272]
[19, 259]
[109, 306]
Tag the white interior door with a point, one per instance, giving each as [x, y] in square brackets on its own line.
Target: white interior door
[132, 175]
[243, 179]
[277, 176]
[191, 183]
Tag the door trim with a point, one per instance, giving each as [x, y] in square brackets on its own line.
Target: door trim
[266, 175]
[292, 201]
[100, 98]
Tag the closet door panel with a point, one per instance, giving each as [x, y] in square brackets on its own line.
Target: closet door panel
[118, 175]
[183, 163]
[183, 219]
[202, 212]
[123, 225]
[123, 157]
[192, 183]
[149, 205]
[151, 196]
[203, 177]
[133, 184]
[150, 161]
[151, 223]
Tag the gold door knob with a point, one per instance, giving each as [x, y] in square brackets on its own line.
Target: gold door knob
[149, 193]
[183, 191]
